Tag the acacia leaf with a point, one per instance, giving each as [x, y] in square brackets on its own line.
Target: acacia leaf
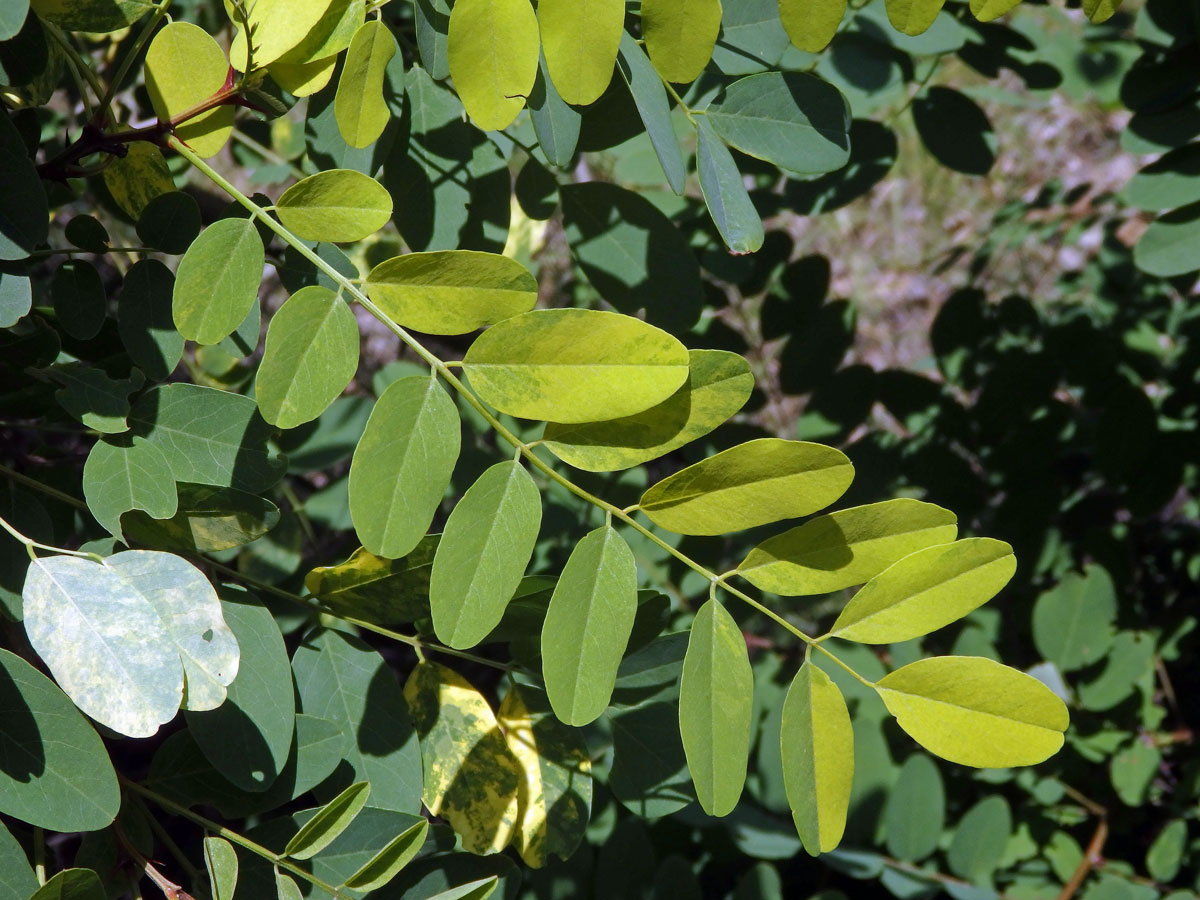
[492, 48]
[337, 205]
[580, 40]
[184, 67]
[221, 861]
[217, 280]
[359, 106]
[811, 24]
[330, 821]
[680, 35]
[388, 862]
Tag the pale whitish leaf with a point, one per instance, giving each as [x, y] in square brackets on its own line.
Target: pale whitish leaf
[487, 544]
[388, 863]
[560, 364]
[817, 748]
[192, 617]
[926, 591]
[222, 864]
[54, 770]
[331, 820]
[555, 794]
[716, 695]
[471, 777]
[402, 465]
[751, 484]
[587, 626]
[975, 712]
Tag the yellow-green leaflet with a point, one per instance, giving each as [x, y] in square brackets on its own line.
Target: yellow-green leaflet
[279, 26]
[379, 590]
[975, 712]
[184, 67]
[560, 365]
[751, 484]
[387, 863]
[817, 745]
[555, 796]
[471, 777]
[472, 890]
[286, 888]
[487, 544]
[926, 590]
[303, 79]
[680, 35]
[716, 699]
[402, 465]
[451, 291]
[331, 820]
[217, 280]
[359, 107]
[811, 24]
[1101, 10]
[222, 863]
[580, 39]
[492, 47]
[847, 547]
[337, 205]
[913, 16]
[987, 10]
[138, 177]
[587, 626]
[310, 356]
[718, 385]
[331, 35]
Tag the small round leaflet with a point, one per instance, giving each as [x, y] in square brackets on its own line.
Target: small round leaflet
[339, 205]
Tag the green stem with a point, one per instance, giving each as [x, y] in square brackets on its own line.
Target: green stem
[73, 55]
[267, 153]
[231, 836]
[441, 369]
[75, 251]
[30, 544]
[39, 854]
[36, 485]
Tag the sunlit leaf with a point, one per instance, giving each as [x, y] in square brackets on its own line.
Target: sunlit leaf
[913, 16]
[388, 863]
[492, 49]
[811, 24]
[358, 106]
[330, 821]
[580, 40]
[559, 365]
[380, 590]
[752, 484]
[222, 864]
[975, 712]
[926, 590]
[680, 35]
[817, 744]
[847, 547]
[471, 777]
[217, 280]
[184, 67]
[336, 205]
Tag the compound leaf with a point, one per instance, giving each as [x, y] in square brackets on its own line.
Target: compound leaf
[580, 39]
[817, 746]
[451, 291]
[471, 777]
[217, 280]
[752, 484]
[847, 547]
[402, 465]
[975, 712]
[716, 698]
[560, 364]
[54, 769]
[587, 626]
[926, 590]
[492, 48]
[487, 544]
[337, 205]
[310, 356]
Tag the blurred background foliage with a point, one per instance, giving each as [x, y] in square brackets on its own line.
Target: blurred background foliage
[981, 310]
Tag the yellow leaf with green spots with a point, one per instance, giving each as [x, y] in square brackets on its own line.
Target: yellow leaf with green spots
[472, 779]
[379, 590]
[138, 177]
[185, 67]
[555, 793]
[493, 47]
